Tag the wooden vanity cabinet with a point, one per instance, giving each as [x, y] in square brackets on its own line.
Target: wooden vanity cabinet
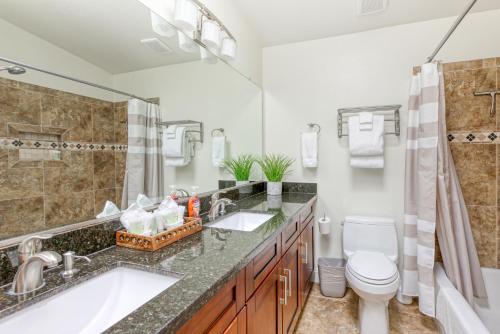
[264, 313]
[306, 246]
[290, 268]
[268, 295]
[217, 316]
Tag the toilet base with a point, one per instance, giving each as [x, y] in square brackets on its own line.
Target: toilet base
[373, 317]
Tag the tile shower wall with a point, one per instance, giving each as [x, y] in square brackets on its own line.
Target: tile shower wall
[474, 135]
[36, 195]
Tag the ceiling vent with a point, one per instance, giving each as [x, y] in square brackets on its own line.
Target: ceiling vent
[367, 7]
[156, 45]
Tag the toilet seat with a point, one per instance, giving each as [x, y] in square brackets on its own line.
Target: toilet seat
[372, 268]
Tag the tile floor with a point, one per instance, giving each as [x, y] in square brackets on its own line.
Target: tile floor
[323, 315]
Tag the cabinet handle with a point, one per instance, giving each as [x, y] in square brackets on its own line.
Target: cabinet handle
[288, 273]
[284, 300]
[305, 258]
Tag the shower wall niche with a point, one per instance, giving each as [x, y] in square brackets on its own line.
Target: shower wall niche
[62, 156]
[474, 136]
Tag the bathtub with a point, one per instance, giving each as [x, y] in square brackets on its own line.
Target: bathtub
[455, 316]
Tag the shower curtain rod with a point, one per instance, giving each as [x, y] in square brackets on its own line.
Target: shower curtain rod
[451, 31]
[88, 83]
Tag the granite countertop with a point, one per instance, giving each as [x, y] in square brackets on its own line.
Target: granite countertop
[206, 261]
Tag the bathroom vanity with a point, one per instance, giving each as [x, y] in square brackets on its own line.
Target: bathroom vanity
[268, 294]
[222, 280]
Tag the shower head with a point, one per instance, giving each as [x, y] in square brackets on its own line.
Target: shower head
[13, 69]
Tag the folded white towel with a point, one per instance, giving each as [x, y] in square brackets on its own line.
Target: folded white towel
[376, 161]
[367, 146]
[218, 150]
[370, 142]
[309, 143]
[188, 151]
[365, 120]
[173, 142]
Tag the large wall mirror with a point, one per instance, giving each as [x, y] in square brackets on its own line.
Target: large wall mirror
[64, 144]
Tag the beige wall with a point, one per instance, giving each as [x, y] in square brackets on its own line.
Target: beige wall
[27, 48]
[307, 82]
[214, 94]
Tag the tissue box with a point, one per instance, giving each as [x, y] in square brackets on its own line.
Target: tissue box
[153, 243]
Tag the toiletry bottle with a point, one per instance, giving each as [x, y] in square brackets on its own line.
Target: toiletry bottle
[194, 204]
[173, 192]
[173, 211]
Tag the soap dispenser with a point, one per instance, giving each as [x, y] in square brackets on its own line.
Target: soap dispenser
[194, 204]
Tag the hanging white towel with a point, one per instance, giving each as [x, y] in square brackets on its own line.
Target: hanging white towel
[309, 148]
[188, 151]
[365, 120]
[218, 150]
[173, 142]
[371, 142]
[367, 146]
[368, 162]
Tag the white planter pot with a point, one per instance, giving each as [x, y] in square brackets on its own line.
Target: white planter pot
[274, 202]
[274, 188]
[244, 190]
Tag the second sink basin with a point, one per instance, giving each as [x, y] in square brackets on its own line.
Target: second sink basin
[92, 306]
[242, 221]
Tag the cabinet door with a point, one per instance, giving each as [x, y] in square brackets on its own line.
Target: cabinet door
[290, 267]
[260, 267]
[239, 324]
[306, 260]
[264, 313]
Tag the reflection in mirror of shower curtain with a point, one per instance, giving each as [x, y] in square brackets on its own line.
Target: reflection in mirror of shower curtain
[144, 169]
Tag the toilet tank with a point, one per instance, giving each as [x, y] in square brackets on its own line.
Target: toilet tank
[375, 234]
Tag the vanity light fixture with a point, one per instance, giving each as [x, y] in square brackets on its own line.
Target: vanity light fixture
[208, 31]
[211, 34]
[186, 15]
[228, 47]
[161, 26]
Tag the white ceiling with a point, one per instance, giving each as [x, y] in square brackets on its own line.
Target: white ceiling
[104, 33]
[288, 21]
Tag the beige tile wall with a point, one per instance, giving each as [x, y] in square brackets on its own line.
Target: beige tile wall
[477, 160]
[35, 195]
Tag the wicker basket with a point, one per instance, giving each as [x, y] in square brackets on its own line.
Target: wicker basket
[151, 244]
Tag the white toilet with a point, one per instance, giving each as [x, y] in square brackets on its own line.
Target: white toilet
[371, 248]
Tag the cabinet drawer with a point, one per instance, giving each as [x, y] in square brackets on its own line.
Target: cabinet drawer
[216, 315]
[290, 233]
[258, 269]
[306, 215]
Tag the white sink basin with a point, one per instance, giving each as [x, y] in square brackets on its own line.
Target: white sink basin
[90, 307]
[242, 221]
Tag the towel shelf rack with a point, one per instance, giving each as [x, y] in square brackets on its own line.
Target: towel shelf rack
[343, 112]
[187, 123]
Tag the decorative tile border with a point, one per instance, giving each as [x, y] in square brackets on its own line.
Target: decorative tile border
[486, 137]
[16, 143]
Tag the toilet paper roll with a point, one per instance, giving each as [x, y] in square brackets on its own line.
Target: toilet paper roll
[324, 225]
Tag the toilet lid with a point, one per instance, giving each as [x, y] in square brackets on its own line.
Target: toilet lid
[372, 267]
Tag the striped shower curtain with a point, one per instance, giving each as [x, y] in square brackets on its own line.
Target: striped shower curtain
[434, 200]
[144, 169]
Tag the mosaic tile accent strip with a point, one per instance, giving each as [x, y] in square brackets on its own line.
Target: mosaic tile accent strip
[16, 143]
[483, 137]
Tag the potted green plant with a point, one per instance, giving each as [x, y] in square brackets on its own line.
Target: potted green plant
[240, 167]
[275, 167]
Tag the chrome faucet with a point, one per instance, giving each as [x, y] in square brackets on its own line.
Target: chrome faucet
[218, 206]
[29, 275]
